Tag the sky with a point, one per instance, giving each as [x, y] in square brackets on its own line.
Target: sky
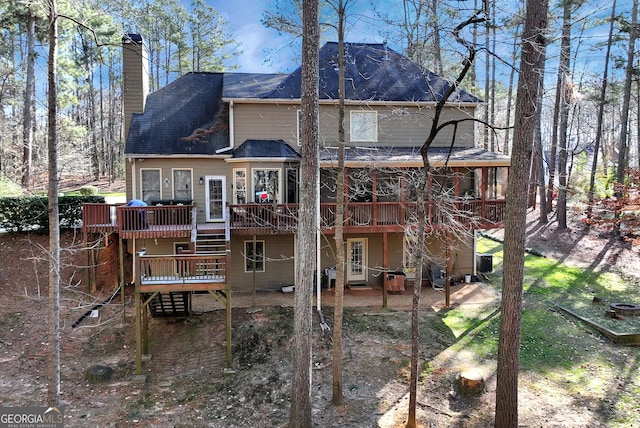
[264, 51]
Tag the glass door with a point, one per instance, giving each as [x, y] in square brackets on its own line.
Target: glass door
[357, 250]
[216, 198]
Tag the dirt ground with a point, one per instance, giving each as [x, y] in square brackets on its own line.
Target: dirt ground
[186, 382]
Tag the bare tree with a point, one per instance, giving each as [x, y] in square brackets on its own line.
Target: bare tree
[424, 197]
[623, 144]
[53, 369]
[601, 103]
[300, 413]
[29, 100]
[337, 396]
[527, 106]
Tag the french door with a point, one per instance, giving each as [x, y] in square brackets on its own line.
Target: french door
[216, 198]
[357, 251]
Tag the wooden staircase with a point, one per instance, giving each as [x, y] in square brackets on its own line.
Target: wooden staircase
[175, 304]
[210, 242]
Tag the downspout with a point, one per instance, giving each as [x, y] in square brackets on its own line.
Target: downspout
[232, 131]
[133, 179]
[318, 254]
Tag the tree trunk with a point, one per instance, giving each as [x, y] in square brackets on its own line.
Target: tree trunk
[512, 72]
[601, 103]
[529, 85]
[53, 368]
[421, 191]
[565, 103]
[300, 413]
[623, 144]
[337, 397]
[29, 102]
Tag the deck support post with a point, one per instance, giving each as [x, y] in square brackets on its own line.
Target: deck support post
[121, 275]
[145, 329]
[385, 263]
[228, 325]
[449, 274]
[138, 310]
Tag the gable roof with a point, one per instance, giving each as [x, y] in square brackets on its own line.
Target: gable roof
[189, 116]
[373, 72]
[185, 117]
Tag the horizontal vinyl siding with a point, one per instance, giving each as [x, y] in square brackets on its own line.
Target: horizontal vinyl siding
[397, 126]
[265, 122]
[199, 167]
[279, 264]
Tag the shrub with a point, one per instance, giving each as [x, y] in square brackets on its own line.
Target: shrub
[30, 213]
[88, 190]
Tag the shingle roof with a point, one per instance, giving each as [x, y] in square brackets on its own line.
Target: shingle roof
[408, 155]
[250, 85]
[265, 149]
[184, 117]
[373, 72]
[188, 116]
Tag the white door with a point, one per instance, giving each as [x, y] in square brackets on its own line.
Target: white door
[216, 198]
[357, 250]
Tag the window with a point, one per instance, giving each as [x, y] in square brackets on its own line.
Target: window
[266, 185]
[328, 185]
[182, 187]
[292, 186]
[150, 184]
[239, 186]
[360, 185]
[387, 187]
[497, 179]
[254, 256]
[299, 121]
[364, 126]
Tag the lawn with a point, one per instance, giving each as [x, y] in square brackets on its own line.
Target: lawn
[563, 354]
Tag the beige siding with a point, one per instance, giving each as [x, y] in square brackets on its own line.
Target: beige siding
[397, 126]
[199, 168]
[279, 264]
[462, 255]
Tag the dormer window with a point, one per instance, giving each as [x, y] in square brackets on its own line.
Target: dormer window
[364, 126]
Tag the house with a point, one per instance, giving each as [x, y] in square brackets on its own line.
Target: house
[216, 155]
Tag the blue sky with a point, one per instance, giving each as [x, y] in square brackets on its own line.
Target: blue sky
[264, 50]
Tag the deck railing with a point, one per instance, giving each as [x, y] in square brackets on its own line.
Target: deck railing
[99, 218]
[180, 220]
[183, 269]
[164, 221]
[283, 217]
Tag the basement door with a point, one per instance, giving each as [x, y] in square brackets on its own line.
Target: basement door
[357, 250]
[216, 198]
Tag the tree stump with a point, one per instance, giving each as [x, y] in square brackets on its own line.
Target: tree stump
[471, 383]
[610, 313]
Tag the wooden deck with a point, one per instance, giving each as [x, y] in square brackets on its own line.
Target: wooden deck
[183, 272]
[179, 221]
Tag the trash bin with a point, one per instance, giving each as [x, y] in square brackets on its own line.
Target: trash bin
[330, 275]
[395, 281]
[485, 263]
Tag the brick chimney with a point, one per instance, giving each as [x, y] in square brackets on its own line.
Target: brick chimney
[135, 75]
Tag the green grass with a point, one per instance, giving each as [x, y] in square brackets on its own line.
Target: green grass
[564, 355]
